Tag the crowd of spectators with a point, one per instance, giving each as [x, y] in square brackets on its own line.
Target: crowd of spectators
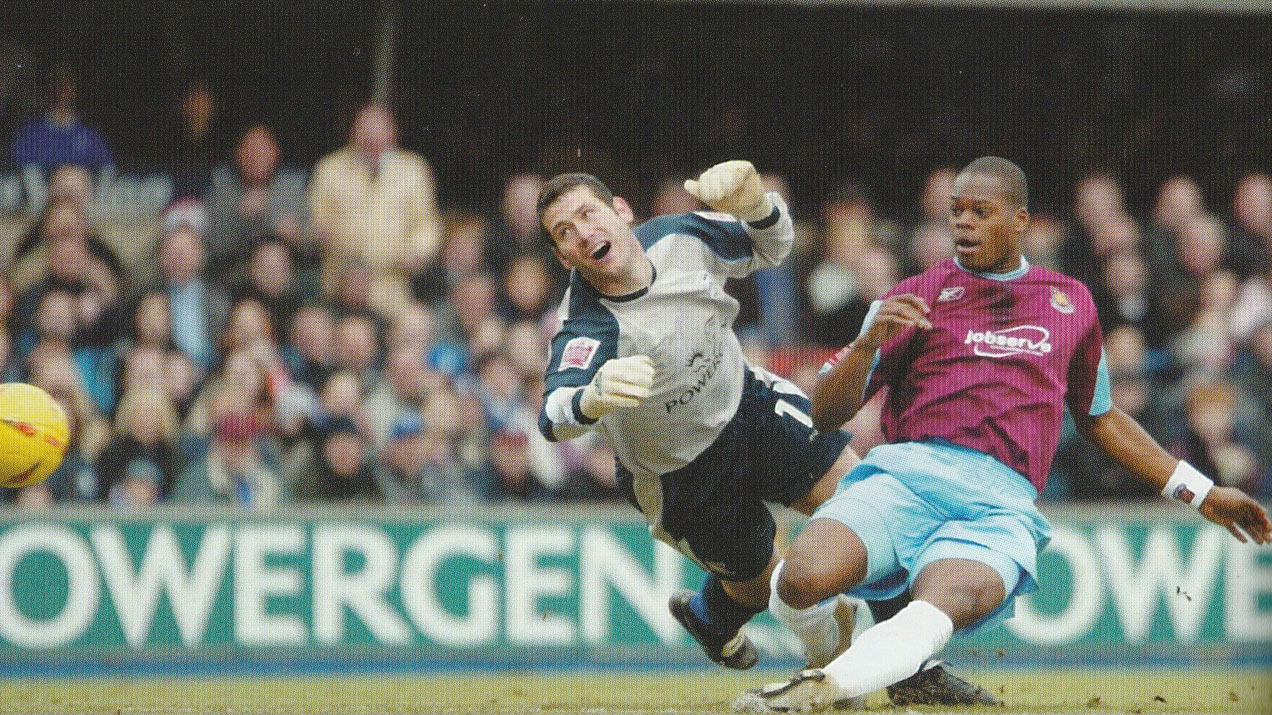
[333, 334]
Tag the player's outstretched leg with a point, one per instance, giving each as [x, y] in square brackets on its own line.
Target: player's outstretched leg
[949, 593]
[884, 654]
[826, 559]
[715, 620]
[935, 683]
[825, 628]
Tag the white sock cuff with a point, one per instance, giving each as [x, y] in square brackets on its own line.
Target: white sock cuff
[929, 619]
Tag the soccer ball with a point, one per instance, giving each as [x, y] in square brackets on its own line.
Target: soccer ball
[33, 435]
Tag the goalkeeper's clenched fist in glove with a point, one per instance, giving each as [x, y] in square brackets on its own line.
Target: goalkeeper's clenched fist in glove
[732, 187]
[621, 382]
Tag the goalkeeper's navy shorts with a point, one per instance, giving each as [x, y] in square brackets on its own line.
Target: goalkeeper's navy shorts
[712, 509]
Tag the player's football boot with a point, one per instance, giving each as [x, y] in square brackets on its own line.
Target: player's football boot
[735, 651]
[934, 684]
[846, 619]
[810, 691]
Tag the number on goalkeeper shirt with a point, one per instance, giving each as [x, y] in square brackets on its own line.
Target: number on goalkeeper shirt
[786, 409]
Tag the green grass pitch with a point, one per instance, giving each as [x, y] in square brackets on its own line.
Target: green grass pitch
[1137, 691]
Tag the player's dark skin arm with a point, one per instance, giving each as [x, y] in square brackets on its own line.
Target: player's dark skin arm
[837, 396]
[1118, 434]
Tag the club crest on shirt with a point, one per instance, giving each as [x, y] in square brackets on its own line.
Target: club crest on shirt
[951, 293]
[578, 353]
[1060, 301]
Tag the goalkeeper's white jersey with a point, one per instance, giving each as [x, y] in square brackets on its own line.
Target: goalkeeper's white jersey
[683, 320]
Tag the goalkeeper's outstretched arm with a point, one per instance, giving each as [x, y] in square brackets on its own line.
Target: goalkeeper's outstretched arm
[734, 187]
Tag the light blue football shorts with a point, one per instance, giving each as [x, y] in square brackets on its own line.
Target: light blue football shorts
[918, 502]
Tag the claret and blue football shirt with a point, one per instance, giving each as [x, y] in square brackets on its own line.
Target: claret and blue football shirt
[1005, 354]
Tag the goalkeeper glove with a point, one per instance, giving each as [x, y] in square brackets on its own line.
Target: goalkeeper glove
[733, 187]
[621, 382]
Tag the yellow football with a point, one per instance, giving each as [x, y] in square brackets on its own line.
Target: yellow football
[33, 435]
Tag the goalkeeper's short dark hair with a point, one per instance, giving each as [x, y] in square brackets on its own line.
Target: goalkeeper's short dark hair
[561, 184]
[1010, 177]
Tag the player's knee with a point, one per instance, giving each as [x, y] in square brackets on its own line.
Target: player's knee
[982, 598]
[800, 587]
[977, 605]
[968, 600]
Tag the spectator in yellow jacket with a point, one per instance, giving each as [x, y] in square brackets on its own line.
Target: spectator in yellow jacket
[374, 201]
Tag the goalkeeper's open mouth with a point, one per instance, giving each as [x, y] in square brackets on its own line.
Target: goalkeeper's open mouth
[601, 251]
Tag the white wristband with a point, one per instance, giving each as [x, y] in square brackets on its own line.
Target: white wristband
[1188, 485]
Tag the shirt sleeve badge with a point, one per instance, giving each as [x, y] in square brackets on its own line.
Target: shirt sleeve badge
[1060, 301]
[578, 353]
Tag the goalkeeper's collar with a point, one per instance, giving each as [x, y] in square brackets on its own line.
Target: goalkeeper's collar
[653, 276]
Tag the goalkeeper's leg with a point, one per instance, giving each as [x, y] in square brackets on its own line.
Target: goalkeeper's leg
[715, 615]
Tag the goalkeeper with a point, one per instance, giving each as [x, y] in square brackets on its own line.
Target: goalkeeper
[647, 355]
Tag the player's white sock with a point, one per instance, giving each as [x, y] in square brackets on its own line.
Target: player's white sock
[891, 651]
[815, 625]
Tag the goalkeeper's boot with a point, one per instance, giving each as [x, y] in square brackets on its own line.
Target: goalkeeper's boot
[732, 651]
[934, 684]
[810, 691]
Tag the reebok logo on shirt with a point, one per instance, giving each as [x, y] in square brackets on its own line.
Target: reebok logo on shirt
[1029, 339]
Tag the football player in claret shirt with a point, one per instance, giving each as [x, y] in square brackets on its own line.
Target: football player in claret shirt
[980, 353]
[646, 354]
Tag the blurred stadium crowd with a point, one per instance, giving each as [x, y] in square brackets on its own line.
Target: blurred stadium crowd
[272, 334]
